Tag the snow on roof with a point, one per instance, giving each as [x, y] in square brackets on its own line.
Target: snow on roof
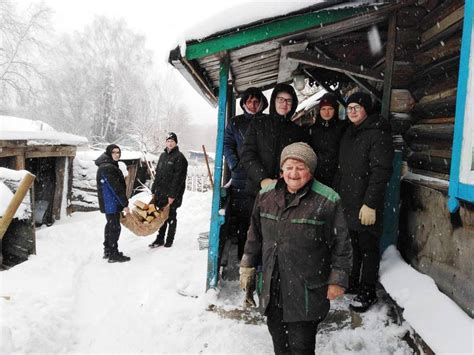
[90, 154]
[248, 13]
[35, 132]
[311, 101]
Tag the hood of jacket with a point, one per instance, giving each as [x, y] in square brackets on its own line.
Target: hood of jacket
[255, 92]
[283, 88]
[104, 158]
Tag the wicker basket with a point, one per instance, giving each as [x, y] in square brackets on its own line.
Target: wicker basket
[143, 229]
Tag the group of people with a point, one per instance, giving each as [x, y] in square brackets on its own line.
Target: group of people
[167, 190]
[311, 201]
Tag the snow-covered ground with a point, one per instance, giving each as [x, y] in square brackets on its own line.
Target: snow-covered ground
[67, 299]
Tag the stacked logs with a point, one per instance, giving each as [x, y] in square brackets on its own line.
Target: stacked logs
[145, 212]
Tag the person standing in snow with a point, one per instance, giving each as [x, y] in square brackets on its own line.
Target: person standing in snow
[266, 137]
[326, 133]
[253, 103]
[168, 188]
[365, 167]
[111, 192]
[298, 228]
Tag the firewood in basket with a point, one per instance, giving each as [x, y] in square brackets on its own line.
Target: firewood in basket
[141, 205]
[151, 208]
[156, 214]
[140, 213]
[150, 218]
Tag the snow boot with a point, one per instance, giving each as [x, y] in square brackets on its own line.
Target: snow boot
[157, 243]
[363, 301]
[118, 257]
[169, 243]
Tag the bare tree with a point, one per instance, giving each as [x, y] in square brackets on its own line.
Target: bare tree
[21, 37]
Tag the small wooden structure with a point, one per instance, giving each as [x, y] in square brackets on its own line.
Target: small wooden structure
[413, 78]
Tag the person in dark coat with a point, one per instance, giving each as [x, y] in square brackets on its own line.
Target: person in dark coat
[299, 228]
[365, 167]
[168, 188]
[267, 136]
[253, 103]
[111, 192]
[326, 134]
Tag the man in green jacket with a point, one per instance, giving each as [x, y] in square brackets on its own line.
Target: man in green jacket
[299, 229]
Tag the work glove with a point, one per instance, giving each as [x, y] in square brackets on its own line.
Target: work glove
[247, 283]
[367, 215]
[266, 182]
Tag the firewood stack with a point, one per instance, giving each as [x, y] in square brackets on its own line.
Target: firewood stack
[146, 213]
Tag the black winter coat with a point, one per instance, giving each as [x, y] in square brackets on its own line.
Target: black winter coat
[265, 139]
[325, 139]
[365, 168]
[234, 140]
[170, 177]
[308, 238]
[111, 187]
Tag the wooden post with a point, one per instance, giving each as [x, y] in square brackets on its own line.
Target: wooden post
[389, 60]
[25, 184]
[208, 168]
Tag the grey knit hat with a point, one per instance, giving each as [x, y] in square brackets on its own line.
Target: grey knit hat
[300, 151]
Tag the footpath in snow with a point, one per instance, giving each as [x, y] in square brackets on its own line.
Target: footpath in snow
[67, 299]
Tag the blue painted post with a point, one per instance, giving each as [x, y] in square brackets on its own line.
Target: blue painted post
[392, 205]
[216, 219]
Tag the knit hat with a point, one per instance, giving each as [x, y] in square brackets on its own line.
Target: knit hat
[111, 147]
[300, 151]
[172, 136]
[362, 99]
[328, 99]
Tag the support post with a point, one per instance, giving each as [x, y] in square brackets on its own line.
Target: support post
[389, 60]
[217, 219]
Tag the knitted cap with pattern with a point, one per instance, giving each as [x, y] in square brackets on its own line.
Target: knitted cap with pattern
[302, 152]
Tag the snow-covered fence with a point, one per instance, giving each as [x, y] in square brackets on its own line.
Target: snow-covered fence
[198, 179]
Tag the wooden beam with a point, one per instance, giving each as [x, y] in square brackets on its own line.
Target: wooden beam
[287, 67]
[336, 66]
[60, 168]
[442, 25]
[327, 88]
[389, 60]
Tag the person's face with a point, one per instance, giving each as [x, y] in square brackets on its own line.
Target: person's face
[356, 113]
[252, 104]
[327, 112]
[115, 154]
[283, 103]
[296, 174]
[170, 144]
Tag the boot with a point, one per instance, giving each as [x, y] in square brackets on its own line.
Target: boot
[157, 243]
[363, 301]
[169, 242]
[106, 254]
[118, 257]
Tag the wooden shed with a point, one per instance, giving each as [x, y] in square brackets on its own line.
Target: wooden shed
[408, 56]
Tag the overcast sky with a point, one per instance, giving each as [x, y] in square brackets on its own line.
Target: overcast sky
[161, 22]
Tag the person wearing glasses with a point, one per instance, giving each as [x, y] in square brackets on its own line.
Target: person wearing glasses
[111, 192]
[365, 167]
[266, 137]
[326, 133]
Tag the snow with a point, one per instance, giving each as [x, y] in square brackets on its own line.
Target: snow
[35, 132]
[438, 320]
[13, 177]
[67, 299]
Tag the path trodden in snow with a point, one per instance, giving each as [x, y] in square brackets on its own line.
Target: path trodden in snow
[68, 299]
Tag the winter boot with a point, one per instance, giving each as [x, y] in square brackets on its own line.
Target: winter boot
[157, 243]
[363, 301]
[118, 257]
[106, 253]
[169, 242]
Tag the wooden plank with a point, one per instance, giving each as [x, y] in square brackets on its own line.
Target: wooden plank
[439, 12]
[130, 179]
[440, 120]
[20, 162]
[287, 67]
[438, 96]
[60, 164]
[449, 48]
[257, 65]
[11, 152]
[442, 25]
[45, 154]
[389, 60]
[336, 66]
[263, 84]
[257, 77]
[245, 53]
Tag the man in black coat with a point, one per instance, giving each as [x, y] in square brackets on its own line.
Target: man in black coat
[168, 187]
[365, 167]
[253, 103]
[326, 134]
[111, 192]
[266, 137]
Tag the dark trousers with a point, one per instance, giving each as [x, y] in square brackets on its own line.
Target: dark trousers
[290, 337]
[239, 219]
[112, 232]
[365, 260]
[170, 225]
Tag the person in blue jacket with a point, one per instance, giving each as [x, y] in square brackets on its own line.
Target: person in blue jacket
[253, 103]
[111, 192]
